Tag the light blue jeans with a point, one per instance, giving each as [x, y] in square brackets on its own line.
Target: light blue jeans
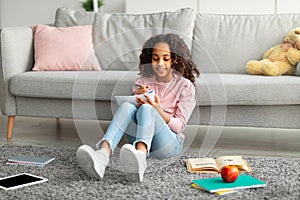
[143, 124]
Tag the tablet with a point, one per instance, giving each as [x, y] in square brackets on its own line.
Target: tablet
[20, 180]
[132, 99]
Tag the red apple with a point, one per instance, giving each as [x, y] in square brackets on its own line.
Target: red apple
[229, 173]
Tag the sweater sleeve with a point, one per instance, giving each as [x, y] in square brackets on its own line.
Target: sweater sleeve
[138, 81]
[185, 107]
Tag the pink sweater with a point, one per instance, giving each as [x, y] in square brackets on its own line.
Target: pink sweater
[177, 98]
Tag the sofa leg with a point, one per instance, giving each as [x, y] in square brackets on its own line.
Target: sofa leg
[58, 126]
[10, 126]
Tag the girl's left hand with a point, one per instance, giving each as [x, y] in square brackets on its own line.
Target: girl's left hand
[155, 103]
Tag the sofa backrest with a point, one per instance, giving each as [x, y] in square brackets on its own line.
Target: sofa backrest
[224, 43]
[119, 38]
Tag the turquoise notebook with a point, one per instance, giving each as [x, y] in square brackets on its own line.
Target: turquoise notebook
[217, 184]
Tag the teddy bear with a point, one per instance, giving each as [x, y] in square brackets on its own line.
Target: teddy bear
[280, 59]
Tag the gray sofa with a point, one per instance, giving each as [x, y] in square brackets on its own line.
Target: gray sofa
[220, 44]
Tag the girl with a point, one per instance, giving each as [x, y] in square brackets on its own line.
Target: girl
[153, 127]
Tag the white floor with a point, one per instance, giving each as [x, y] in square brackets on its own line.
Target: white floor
[204, 140]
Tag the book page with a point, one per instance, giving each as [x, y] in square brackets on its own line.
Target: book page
[232, 160]
[122, 99]
[198, 164]
[132, 99]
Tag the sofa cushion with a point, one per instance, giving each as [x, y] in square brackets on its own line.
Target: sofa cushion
[224, 43]
[64, 48]
[69, 17]
[118, 38]
[211, 89]
[84, 85]
[244, 89]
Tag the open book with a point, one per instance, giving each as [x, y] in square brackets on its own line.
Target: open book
[211, 165]
[132, 99]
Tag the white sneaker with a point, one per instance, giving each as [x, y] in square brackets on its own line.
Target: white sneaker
[134, 162]
[91, 161]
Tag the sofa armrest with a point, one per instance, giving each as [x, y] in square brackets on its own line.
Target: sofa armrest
[16, 56]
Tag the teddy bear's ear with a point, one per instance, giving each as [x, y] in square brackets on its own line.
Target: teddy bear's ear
[290, 37]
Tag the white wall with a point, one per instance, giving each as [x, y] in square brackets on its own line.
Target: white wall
[150, 6]
[288, 6]
[28, 12]
[237, 6]
[217, 6]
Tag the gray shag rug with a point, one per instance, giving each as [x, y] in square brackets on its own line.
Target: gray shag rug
[163, 179]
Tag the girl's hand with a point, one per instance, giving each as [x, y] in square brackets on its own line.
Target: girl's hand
[156, 104]
[142, 89]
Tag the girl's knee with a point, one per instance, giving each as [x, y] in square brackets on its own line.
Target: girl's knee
[145, 107]
[127, 105]
[145, 110]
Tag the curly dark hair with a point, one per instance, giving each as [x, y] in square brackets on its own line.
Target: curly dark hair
[180, 55]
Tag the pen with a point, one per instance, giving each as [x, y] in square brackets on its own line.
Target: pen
[138, 85]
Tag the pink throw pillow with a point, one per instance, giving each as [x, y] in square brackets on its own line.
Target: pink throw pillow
[64, 48]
